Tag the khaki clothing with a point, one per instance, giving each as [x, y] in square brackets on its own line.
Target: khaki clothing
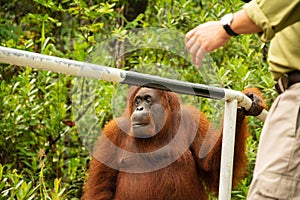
[279, 21]
[284, 51]
[272, 16]
[277, 168]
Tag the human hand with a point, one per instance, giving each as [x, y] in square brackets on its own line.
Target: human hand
[205, 38]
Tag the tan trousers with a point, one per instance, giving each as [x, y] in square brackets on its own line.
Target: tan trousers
[277, 169]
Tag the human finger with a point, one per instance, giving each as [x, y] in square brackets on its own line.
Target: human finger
[189, 43]
[199, 57]
[190, 38]
[196, 53]
[190, 34]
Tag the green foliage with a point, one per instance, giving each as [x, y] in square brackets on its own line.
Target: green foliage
[15, 186]
[42, 154]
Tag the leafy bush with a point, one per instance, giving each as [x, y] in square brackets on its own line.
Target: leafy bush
[15, 186]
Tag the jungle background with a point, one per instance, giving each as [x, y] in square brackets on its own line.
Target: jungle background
[42, 154]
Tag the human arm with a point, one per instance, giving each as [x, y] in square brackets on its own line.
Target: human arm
[254, 17]
[211, 35]
[273, 16]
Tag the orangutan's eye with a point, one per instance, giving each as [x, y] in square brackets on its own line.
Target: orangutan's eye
[148, 99]
[137, 101]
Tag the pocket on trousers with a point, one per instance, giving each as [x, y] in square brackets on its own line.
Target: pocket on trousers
[275, 186]
[287, 117]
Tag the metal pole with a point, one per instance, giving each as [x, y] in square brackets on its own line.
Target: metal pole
[227, 149]
[83, 69]
[243, 101]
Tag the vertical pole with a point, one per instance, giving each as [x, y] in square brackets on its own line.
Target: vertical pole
[228, 142]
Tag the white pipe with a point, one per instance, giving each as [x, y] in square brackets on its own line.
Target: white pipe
[232, 100]
[243, 101]
[227, 149]
[60, 65]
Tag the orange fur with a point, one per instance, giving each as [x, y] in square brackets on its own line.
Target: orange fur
[192, 176]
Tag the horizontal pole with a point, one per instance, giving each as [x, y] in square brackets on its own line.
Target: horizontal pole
[84, 69]
[59, 65]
